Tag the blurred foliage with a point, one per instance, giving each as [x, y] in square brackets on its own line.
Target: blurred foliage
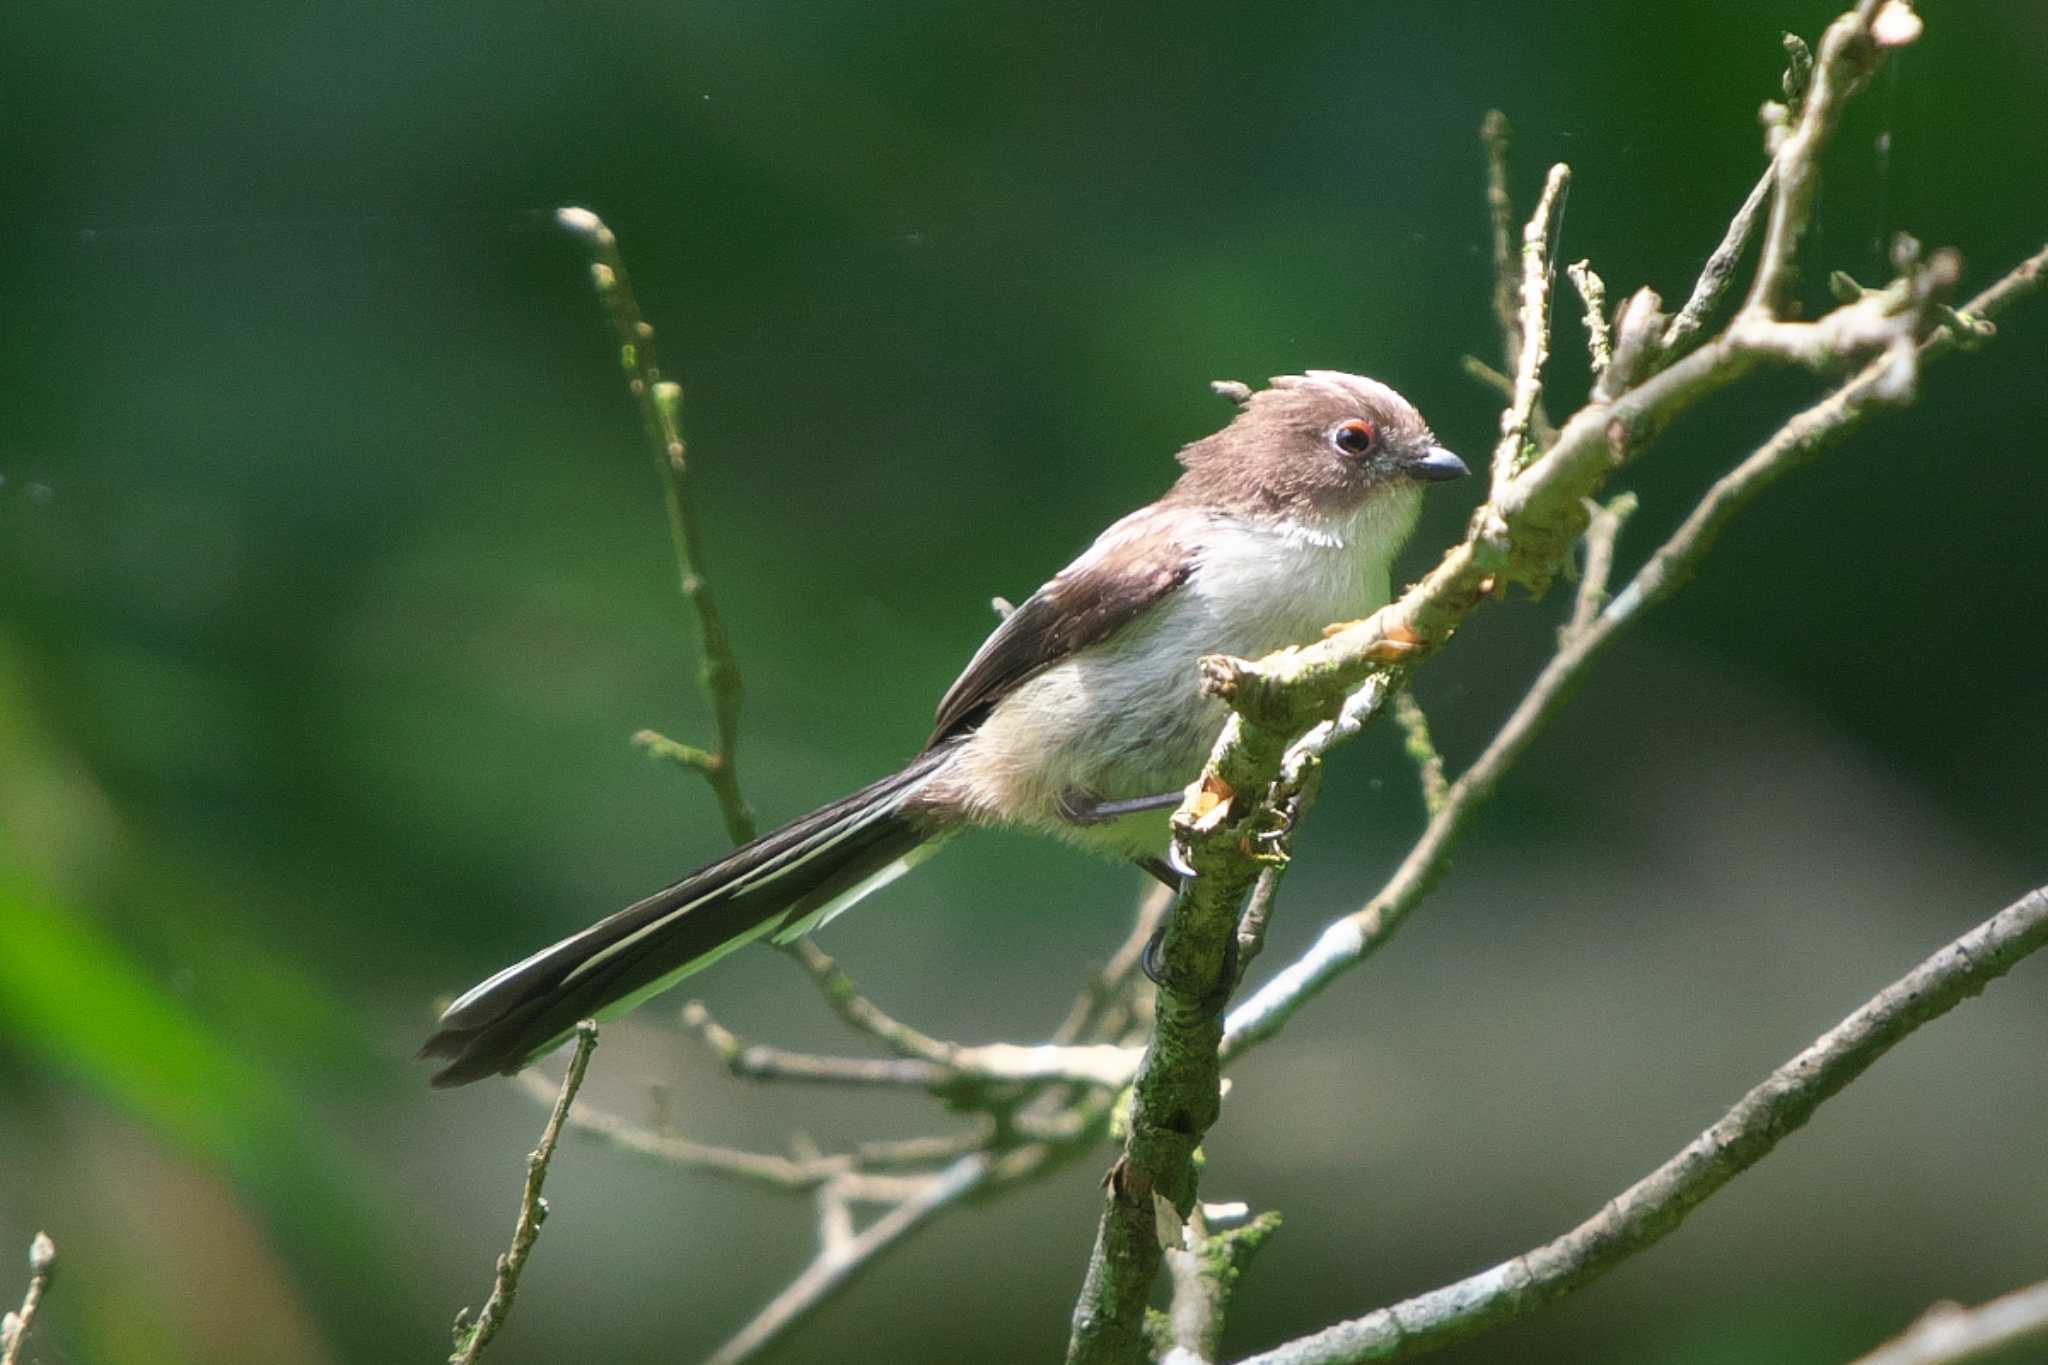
[333, 578]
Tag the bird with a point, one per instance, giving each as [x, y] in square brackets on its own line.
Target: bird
[1081, 716]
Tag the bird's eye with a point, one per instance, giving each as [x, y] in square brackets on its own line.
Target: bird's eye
[1355, 437]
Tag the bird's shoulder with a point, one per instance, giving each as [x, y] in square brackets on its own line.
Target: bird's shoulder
[1129, 568]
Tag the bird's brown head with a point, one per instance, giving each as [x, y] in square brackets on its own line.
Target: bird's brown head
[1315, 447]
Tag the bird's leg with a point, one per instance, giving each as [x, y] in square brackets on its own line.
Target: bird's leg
[1078, 807]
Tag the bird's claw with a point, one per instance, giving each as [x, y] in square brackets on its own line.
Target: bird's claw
[1226, 979]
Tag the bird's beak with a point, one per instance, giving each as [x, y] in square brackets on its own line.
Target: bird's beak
[1436, 465]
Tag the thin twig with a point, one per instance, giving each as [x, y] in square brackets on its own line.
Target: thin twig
[861, 1014]
[966, 1071]
[1654, 1206]
[1719, 271]
[1475, 368]
[472, 1337]
[1495, 136]
[1593, 294]
[1603, 524]
[1294, 794]
[1103, 1008]
[14, 1328]
[768, 1169]
[658, 745]
[838, 1262]
[1429, 764]
[1950, 1334]
[660, 402]
[1848, 56]
[1533, 330]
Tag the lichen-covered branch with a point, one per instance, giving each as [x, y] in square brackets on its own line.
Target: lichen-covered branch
[1233, 824]
[1593, 294]
[14, 1327]
[1655, 1205]
[1532, 329]
[660, 402]
[1205, 1272]
[472, 1337]
[1415, 738]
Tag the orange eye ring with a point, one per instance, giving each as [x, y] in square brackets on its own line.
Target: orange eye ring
[1355, 437]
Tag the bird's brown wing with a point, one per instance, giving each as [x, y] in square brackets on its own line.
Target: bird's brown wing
[1129, 568]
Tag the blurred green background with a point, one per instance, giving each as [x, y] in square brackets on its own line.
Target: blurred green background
[333, 578]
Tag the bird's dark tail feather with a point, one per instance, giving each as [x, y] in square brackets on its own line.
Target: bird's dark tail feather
[782, 884]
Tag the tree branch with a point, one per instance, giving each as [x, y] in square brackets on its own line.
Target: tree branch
[1533, 329]
[1654, 1206]
[472, 1337]
[660, 402]
[1231, 826]
[861, 1014]
[1350, 940]
[1429, 764]
[1603, 526]
[958, 1074]
[1494, 136]
[1849, 56]
[769, 1169]
[1593, 294]
[1205, 1272]
[14, 1327]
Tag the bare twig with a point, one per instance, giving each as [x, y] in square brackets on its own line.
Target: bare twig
[861, 1014]
[1106, 1005]
[1603, 524]
[1849, 55]
[1495, 135]
[841, 1259]
[1654, 1206]
[14, 1327]
[1429, 764]
[769, 1169]
[1719, 271]
[1533, 330]
[760, 1061]
[963, 1072]
[1487, 376]
[659, 745]
[1593, 293]
[1950, 1334]
[660, 402]
[472, 1337]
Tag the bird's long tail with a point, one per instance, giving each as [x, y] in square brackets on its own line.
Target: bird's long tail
[782, 884]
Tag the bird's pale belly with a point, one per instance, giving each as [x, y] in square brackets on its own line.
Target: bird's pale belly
[1127, 719]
